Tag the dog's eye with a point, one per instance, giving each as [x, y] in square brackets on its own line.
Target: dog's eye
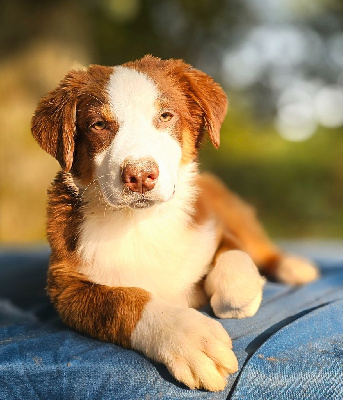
[166, 116]
[99, 125]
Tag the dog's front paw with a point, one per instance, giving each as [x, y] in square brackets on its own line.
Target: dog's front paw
[202, 357]
[296, 270]
[196, 349]
[234, 285]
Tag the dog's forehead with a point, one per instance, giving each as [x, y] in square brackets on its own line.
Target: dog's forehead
[131, 93]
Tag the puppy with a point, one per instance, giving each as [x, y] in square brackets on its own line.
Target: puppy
[139, 239]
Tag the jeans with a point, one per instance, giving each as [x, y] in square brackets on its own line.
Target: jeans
[291, 349]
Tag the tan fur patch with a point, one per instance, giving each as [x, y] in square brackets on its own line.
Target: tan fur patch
[107, 313]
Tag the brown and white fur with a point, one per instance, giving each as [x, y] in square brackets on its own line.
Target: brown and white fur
[139, 239]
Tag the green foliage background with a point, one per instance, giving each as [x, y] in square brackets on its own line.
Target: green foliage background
[295, 186]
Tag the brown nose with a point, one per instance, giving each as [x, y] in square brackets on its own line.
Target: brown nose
[140, 175]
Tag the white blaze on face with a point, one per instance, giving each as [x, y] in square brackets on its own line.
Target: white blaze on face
[133, 101]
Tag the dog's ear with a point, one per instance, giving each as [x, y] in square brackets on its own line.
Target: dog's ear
[211, 99]
[54, 122]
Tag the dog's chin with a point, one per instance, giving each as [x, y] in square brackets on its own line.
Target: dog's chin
[135, 201]
[141, 203]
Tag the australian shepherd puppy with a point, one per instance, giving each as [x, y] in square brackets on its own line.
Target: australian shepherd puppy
[139, 239]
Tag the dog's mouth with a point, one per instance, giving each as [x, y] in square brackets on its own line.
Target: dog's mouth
[137, 202]
[141, 203]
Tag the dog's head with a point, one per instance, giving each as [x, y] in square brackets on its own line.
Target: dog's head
[130, 128]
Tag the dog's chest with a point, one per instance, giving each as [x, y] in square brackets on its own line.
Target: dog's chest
[160, 253]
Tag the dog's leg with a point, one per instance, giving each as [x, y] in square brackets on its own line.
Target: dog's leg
[240, 220]
[196, 349]
[233, 284]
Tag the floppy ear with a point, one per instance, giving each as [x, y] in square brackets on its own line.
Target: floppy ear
[211, 98]
[54, 122]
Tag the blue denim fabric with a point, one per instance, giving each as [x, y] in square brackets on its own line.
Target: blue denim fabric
[304, 360]
[291, 349]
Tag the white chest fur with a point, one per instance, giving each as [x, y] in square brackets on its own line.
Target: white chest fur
[156, 249]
